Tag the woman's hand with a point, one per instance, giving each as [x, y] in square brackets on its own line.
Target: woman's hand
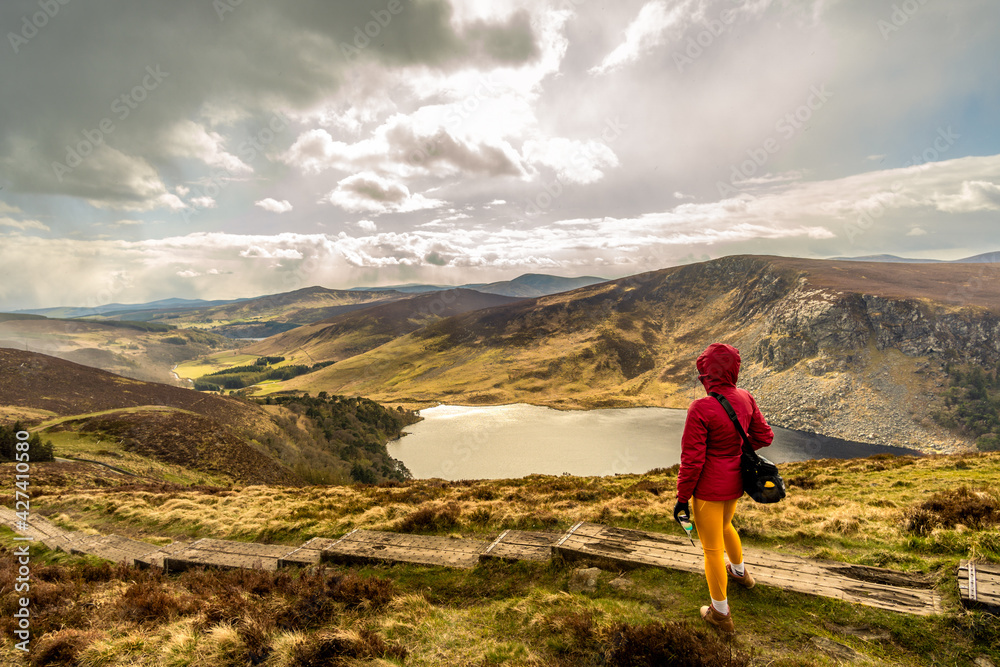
[682, 510]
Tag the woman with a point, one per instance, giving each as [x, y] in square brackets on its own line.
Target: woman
[710, 473]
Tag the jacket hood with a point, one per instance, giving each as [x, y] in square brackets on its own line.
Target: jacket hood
[719, 365]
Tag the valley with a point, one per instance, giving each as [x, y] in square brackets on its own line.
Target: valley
[848, 349]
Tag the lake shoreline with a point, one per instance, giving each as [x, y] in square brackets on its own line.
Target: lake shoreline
[518, 439]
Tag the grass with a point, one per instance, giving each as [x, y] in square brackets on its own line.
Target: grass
[74, 445]
[192, 370]
[521, 613]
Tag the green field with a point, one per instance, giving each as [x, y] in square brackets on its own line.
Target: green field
[194, 369]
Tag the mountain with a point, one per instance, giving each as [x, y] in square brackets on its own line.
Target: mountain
[984, 258]
[165, 433]
[886, 258]
[527, 285]
[535, 284]
[70, 312]
[848, 349]
[361, 330]
[409, 288]
[266, 315]
[988, 258]
[136, 350]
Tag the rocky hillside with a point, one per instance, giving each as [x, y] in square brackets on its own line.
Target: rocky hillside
[848, 349]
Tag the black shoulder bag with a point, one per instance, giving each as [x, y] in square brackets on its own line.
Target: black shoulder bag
[761, 479]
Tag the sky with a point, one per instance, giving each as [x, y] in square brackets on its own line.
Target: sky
[231, 148]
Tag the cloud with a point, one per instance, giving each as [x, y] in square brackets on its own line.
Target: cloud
[975, 195]
[367, 225]
[23, 224]
[406, 146]
[7, 208]
[916, 231]
[274, 206]
[371, 193]
[644, 34]
[263, 252]
[188, 273]
[188, 139]
[92, 71]
[579, 162]
[204, 202]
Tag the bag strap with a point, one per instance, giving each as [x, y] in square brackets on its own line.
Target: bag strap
[727, 406]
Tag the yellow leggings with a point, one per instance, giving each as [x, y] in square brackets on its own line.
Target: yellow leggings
[714, 521]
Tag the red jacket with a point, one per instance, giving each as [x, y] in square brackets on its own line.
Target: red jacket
[711, 446]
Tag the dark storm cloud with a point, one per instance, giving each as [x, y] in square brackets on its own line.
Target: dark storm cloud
[78, 92]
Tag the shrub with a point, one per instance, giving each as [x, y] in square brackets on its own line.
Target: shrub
[150, 601]
[62, 648]
[431, 519]
[334, 647]
[975, 509]
[673, 643]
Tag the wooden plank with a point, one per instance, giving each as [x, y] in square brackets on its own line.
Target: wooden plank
[251, 549]
[569, 533]
[411, 541]
[309, 553]
[979, 586]
[372, 546]
[521, 545]
[156, 558]
[194, 557]
[875, 587]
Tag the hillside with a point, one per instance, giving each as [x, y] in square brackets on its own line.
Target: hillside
[144, 353]
[847, 349]
[537, 284]
[266, 315]
[70, 312]
[525, 285]
[358, 331]
[915, 515]
[165, 433]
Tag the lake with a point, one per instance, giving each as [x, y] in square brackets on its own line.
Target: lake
[508, 441]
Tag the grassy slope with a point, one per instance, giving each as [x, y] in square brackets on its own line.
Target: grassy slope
[356, 332]
[521, 614]
[300, 306]
[139, 354]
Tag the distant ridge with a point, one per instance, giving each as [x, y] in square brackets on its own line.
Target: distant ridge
[888, 258]
[525, 286]
[70, 312]
[984, 258]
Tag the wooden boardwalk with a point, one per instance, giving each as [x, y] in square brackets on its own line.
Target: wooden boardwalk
[366, 546]
[521, 545]
[979, 584]
[872, 586]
